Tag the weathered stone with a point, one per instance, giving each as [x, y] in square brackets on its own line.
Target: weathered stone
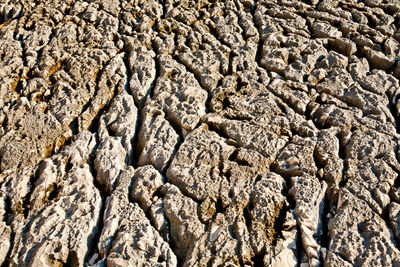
[61, 230]
[157, 140]
[359, 236]
[127, 237]
[146, 181]
[394, 219]
[199, 133]
[297, 158]
[143, 70]
[179, 94]
[5, 237]
[195, 170]
[109, 162]
[309, 195]
[343, 46]
[185, 226]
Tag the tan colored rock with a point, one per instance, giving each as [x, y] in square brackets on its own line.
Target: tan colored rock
[253, 127]
[127, 237]
[146, 181]
[394, 218]
[61, 230]
[297, 158]
[309, 195]
[109, 162]
[360, 236]
[327, 152]
[5, 237]
[378, 59]
[195, 170]
[343, 46]
[324, 30]
[143, 68]
[158, 140]
[179, 94]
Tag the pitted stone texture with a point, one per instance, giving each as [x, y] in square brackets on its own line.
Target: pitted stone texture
[143, 68]
[327, 152]
[372, 167]
[254, 126]
[185, 226]
[146, 181]
[127, 237]
[61, 230]
[297, 157]
[309, 195]
[195, 170]
[359, 236]
[157, 140]
[179, 94]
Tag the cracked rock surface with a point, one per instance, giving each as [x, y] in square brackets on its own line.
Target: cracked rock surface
[199, 133]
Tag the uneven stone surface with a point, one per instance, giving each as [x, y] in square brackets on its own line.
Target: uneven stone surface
[199, 133]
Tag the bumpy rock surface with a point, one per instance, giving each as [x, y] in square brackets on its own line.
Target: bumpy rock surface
[199, 133]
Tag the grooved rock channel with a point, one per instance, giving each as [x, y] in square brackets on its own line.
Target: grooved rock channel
[199, 133]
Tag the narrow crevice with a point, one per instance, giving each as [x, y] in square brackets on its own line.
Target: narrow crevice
[325, 237]
[96, 234]
[18, 88]
[26, 204]
[68, 166]
[69, 262]
[54, 191]
[259, 53]
[219, 206]
[345, 178]
[190, 70]
[164, 9]
[94, 124]
[168, 163]
[397, 182]
[274, 168]
[279, 224]
[342, 145]
[217, 130]
[74, 126]
[153, 85]
[247, 215]
[172, 244]
[135, 142]
[393, 111]
[128, 72]
[7, 209]
[176, 126]
[230, 66]
[258, 260]
[209, 109]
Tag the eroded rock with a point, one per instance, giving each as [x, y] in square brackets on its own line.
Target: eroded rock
[199, 133]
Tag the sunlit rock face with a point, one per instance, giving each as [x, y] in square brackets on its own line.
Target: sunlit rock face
[199, 133]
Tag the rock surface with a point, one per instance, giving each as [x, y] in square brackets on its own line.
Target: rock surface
[199, 133]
